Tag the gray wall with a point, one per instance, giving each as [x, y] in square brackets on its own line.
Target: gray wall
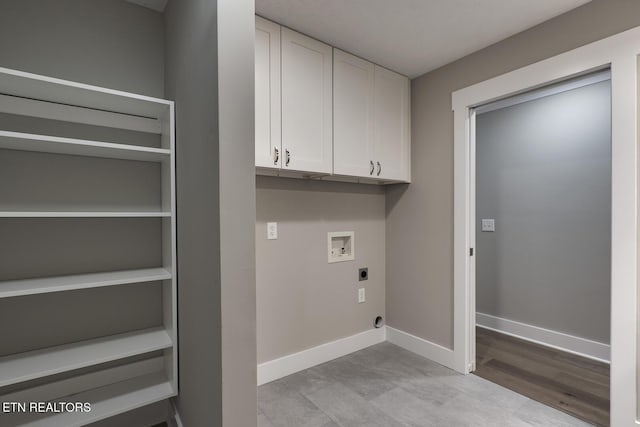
[236, 77]
[420, 216]
[543, 172]
[303, 301]
[107, 43]
[191, 80]
[210, 75]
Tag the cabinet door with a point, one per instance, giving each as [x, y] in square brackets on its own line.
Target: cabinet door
[392, 135]
[353, 93]
[307, 128]
[267, 93]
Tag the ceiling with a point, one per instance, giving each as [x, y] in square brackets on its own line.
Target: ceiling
[412, 36]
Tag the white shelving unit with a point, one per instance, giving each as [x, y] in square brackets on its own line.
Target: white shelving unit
[106, 401]
[122, 385]
[15, 288]
[81, 214]
[78, 147]
[54, 360]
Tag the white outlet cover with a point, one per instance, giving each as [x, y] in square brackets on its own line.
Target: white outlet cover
[488, 225]
[361, 296]
[272, 230]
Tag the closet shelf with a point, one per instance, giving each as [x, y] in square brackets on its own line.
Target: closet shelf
[69, 113]
[64, 92]
[27, 366]
[83, 214]
[108, 401]
[14, 288]
[80, 147]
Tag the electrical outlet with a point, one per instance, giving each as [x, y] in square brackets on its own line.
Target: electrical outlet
[272, 231]
[361, 296]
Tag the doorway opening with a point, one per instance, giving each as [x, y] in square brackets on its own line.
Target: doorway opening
[619, 53]
[541, 229]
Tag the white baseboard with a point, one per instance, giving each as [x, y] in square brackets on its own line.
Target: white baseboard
[569, 343]
[290, 364]
[422, 347]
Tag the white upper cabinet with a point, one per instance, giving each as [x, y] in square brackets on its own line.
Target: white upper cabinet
[371, 120]
[267, 94]
[307, 103]
[392, 133]
[320, 111]
[353, 115]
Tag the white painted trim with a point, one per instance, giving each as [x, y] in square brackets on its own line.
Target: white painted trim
[421, 347]
[558, 340]
[290, 364]
[624, 238]
[470, 363]
[619, 52]
[463, 240]
[578, 82]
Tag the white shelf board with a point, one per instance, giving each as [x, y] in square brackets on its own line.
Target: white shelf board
[34, 86]
[82, 214]
[15, 288]
[108, 401]
[79, 147]
[69, 113]
[54, 360]
[60, 389]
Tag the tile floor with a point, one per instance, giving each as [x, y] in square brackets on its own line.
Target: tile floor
[386, 386]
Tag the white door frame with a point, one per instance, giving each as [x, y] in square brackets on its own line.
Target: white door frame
[620, 53]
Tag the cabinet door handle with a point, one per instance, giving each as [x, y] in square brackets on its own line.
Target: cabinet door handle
[288, 157]
[379, 168]
[372, 167]
[276, 155]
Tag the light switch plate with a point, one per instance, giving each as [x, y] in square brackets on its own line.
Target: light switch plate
[488, 225]
[361, 296]
[272, 230]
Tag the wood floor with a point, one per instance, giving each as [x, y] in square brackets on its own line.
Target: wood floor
[573, 384]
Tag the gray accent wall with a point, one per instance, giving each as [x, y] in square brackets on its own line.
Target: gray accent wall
[303, 301]
[543, 173]
[420, 215]
[191, 81]
[109, 43]
[209, 73]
